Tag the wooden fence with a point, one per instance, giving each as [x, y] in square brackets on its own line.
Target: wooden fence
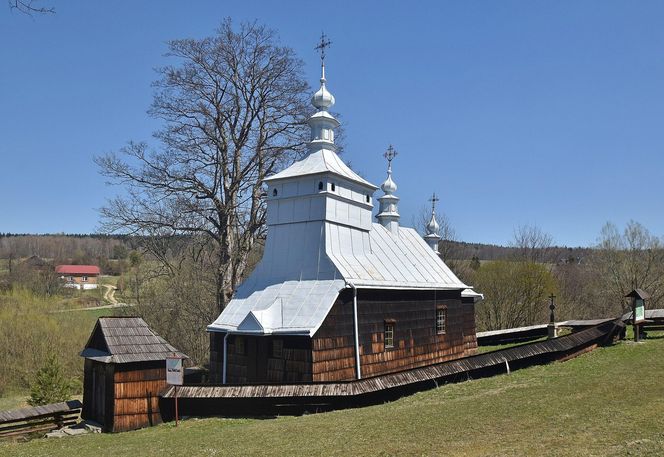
[271, 399]
[39, 419]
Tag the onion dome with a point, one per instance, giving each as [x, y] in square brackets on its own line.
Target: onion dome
[432, 226]
[322, 99]
[389, 186]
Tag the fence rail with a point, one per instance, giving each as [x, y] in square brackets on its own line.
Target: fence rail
[39, 419]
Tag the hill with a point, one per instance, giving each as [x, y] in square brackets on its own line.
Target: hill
[592, 405]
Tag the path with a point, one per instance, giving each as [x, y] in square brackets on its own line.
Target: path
[109, 295]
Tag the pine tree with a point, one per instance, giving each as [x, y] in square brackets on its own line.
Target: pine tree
[50, 384]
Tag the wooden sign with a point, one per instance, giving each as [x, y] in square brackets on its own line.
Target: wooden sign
[174, 371]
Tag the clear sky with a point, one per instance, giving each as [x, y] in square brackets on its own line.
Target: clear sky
[513, 112]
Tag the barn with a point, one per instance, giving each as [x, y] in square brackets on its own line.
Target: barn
[125, 369]
[336, 296]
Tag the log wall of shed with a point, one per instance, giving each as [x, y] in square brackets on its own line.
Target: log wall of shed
[136, 387]
[416, 341]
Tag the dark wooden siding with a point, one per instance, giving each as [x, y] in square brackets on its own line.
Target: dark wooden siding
[216, 356]
[135, 394]
[259, 362]
[416, 342]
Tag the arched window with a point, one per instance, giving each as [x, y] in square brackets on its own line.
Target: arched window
[368, 198]
[333, 187]
[320, 185]
[274, 192]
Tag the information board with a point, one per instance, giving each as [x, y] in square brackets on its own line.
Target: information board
[639, 311]
[174, 371]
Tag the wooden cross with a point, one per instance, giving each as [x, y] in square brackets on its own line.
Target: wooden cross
[552, 307]
[390, 154]
[324, 43]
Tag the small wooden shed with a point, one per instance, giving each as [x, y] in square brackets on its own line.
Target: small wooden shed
[125, 369]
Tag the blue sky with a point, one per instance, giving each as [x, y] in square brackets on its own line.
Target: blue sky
[542, 113]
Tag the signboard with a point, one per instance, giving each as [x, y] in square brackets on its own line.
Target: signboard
[639, 311]
[174, 371]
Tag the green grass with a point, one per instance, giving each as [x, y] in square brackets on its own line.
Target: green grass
[14, 399]
[608, 402]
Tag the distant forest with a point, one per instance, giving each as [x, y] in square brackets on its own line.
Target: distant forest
[89, 248]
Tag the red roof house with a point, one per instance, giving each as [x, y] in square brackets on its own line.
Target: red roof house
[79, 276]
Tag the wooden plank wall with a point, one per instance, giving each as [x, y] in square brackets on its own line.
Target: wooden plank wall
[258, 362]
[469, 329]
[216, 357]
[135, 393]
[416, 342]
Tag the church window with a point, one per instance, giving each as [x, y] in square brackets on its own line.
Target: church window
[333, 187]
[274, 192]
[320, 185]
[441, 321]
[389, 334]
[277, 349]
[240, 348]
[368, 198]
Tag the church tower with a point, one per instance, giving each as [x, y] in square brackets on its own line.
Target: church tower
[388, 216]
[316, 190]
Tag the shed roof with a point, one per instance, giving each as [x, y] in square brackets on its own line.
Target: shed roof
[639, 293]
[126, 340]
[78, 269]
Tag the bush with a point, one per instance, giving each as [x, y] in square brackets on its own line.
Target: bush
[50, 384]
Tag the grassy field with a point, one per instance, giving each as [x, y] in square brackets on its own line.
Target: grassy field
[608, 402]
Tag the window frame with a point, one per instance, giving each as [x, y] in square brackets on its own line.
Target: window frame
[389, 328]
[441, 311]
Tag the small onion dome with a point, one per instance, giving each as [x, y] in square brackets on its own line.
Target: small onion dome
[432, 226]
[322, 99]
[389, 186]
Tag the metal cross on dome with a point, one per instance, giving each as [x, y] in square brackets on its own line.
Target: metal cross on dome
[324, 43]
[390, 154]
[434, 198]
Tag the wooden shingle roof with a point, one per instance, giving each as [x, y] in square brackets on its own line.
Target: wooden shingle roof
[126, 340]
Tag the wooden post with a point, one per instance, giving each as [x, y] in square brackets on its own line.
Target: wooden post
[176, 406]
[635, 325]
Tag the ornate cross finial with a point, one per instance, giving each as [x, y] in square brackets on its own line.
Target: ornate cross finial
[390, 154]
[434, 198]
[324, 43]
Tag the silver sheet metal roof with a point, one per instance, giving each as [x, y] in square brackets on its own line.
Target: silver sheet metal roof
[378, 259]
[125, 340]
[321, 161]
[269, 303]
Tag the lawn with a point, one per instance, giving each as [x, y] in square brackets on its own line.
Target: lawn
[607, 402]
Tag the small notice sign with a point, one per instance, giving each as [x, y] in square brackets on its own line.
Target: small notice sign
[174, 371]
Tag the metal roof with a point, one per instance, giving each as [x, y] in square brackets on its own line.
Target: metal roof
[321, 161]
[378, 259]
[289, 307]
[270, 303]
[124, 340]
[77, 269]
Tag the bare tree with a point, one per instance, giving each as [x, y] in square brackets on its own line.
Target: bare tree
[30, 7]
[448, 247]
[533, 244]
[234, 110]
[626, 261]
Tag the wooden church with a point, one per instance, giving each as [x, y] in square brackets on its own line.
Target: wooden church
[337, 297]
